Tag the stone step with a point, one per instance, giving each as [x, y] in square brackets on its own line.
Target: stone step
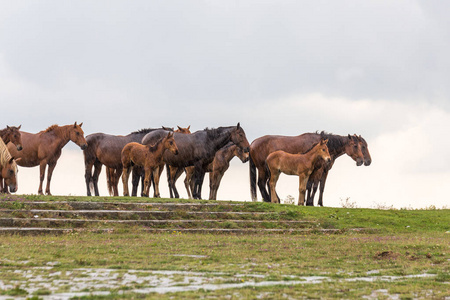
[171, 224]
[145, 206]
[137, 214]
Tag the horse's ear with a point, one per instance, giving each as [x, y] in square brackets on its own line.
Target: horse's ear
[19, 126]
[323, 141]
[238, 125]
[170, 134]
[75, 124]
[189, 127]
[11, 160]
[81, 124]
[179, 127]
[18, 159]
[7, 126]
[349, 137]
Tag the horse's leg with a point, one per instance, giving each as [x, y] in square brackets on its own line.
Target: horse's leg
[95, 176]
[262, 180]
[178, 173]
[214, 182]
[322, 187]
[116, 175]
[156, 176]
[303, 179]
[51, 167]
[147, 175]
[312, 192]
[188, 181]
[274, 175]
[169, 171]
[88, 176]
[125, 175]
[42, 167]
[135, 178]
[200, 184]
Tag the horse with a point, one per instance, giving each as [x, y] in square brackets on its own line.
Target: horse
[44, 148]
[216, 169]
[301, 165]
[105, 149]
[320, 174]
[8, 169]
[198, 149]
[138, 172]
[148, 157]
[12, 134]
[263, 146]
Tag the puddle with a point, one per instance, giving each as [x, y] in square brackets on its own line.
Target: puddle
[85, 281]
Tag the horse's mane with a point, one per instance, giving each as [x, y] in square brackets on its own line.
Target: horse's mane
[154, 147]
[51, 128]
[334, 141]
[315, 144]
[214, 132]
[147, 130]
[5, 156]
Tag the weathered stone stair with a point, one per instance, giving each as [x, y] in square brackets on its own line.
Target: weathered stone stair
[56, 217]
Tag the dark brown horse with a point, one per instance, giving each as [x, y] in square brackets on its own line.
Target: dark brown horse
[44, 148]
[150, 158]
[216, 169]
[105, 149]
[301, 165]
[198, 149]
[263, 146]
[320, 174]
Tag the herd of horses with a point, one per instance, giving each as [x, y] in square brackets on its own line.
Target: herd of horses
[145, 153]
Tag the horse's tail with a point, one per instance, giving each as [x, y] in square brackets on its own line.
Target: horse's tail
[252, 168]
[109, 179]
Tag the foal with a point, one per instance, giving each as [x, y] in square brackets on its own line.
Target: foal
[301, 165]
[148, 157]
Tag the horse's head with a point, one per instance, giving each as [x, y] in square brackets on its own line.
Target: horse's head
[353, 149]
[183, 130]
[322, 149]
[243, 156]
[239, 139]
[169, 143]
[77, 135]
[365, 151]
[9, 174]
[14, 136]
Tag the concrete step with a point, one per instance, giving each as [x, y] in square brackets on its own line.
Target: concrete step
[171, 224]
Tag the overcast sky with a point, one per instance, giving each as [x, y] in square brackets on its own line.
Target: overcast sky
[376, 68]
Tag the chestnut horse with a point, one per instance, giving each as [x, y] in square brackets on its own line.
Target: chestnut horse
[148, 157]
[216, 169]
[44, 148]
[105, 149]
[301, 165]
[12, 134]
[320, 173]
[171, 171]
[198, 149]
[8, 169]
[263, 146]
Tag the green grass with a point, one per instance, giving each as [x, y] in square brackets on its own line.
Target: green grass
[407, 242]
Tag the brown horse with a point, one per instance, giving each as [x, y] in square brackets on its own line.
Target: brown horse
[216, 169]
[148, 157]
[301, 165]
[8, 169]
[44, 148]
[105, 149]
[138, 173]
[320, 173]
[12, 134]
[263, 146]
